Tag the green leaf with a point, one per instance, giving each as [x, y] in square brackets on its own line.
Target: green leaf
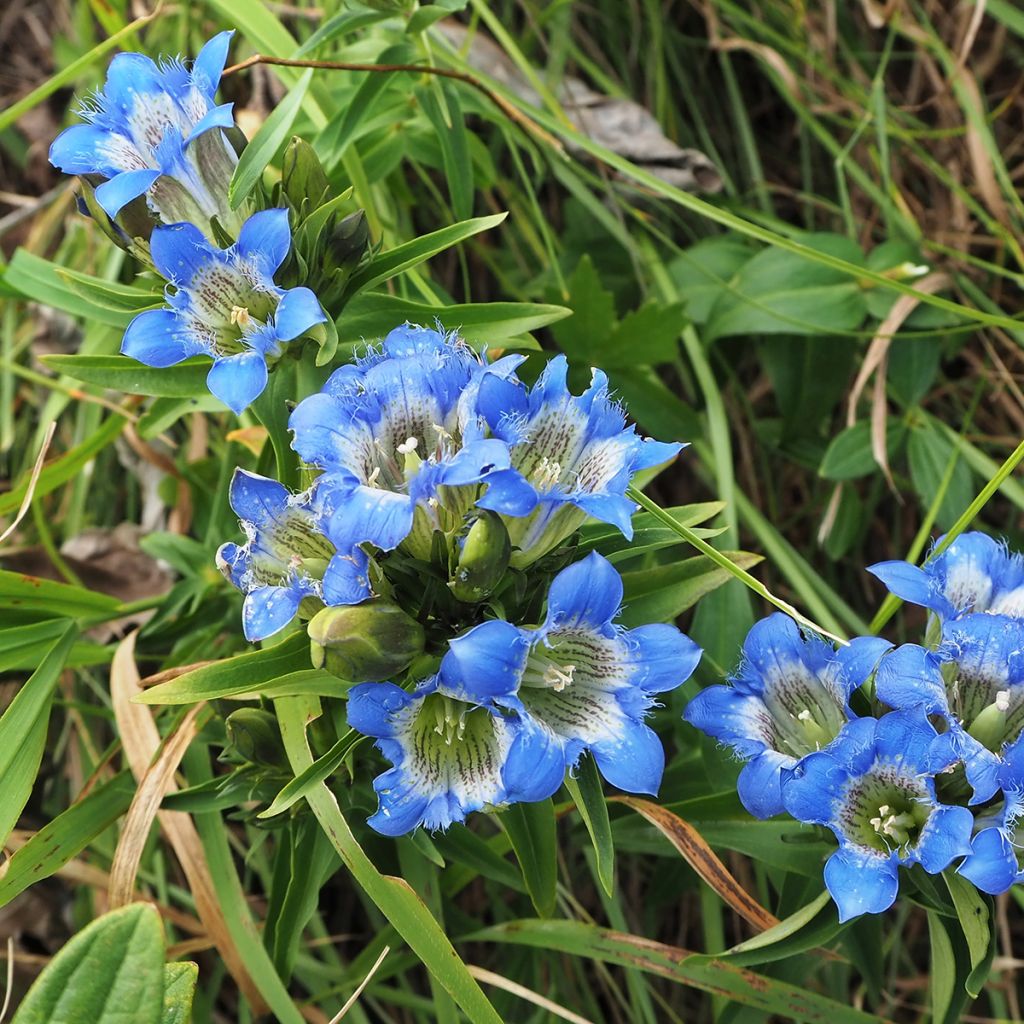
[661, 593]
[245, 673]
[450, 133]
[929, 453]
[122, 298]
[394, 898]
[588, 795]
[111, 972]
[811, 926]
[62, 839]
[179, 991]
[23, 730]
[849, 455]
[644, 337]
[942, 981]
[310, 777]
[393, 262]
[45, 282]
[31, 592]
[975, 916]
[780, 292]
[594, 316]
[121, 373]
[769, 995]
[267, 141]
[703, 272]
[531, 828]
[65, 467]
[373, 314]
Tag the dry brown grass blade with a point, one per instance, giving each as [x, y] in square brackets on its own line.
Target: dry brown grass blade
[32, 481]
[689, 842]
[875, 362]
[490, 978]
[157, 780]
[141, 740]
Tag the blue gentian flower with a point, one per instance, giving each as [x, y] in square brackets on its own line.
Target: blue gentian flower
[287, 561]
[398, 435]
[449, 757]
[994, 863]
[156, 130]
[572, 457]
[975, 682]
[974, 574]
[225, 305]
[585, 681]
[874, 787]
[789, 698]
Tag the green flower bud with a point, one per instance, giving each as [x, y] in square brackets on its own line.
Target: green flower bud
[256, 736]
[302, 175]
[483, 559]
[347, 241]
[365, 643]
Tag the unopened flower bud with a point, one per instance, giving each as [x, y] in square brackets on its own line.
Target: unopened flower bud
[302, 175]
[366, 642]
[347, 241]
[256, 736]
[483, 559]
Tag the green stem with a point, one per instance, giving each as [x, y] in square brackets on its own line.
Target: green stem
[725, 563]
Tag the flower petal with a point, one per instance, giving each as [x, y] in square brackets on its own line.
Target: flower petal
[180, 251]
[664, 657]
[811, 788]
[79, 150]
[268, 609]
[159, 337]
[257, 499]
[238, 380]
[911, 677]
[760, 783]
[370, 515]
[586, 593]
[120, 190]
[535, 766]
[265, 239]
[860, 883]
[992, 863]
[946, 836]
[911, 584]
[738, 719]
[634, 761]
[297, 312]
[486, 662]
[209, 63]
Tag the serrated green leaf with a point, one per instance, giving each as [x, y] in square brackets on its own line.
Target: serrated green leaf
[112, 971]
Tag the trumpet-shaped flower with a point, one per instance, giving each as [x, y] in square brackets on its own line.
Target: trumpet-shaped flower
[156, 130]
[975, 681]
[874, 787]
[571, 457]
[287, 559]
[789, 698]
[994, 863]
[584, 681]
[974, 574]
[225, 305]
[449, 757]
[398, 435]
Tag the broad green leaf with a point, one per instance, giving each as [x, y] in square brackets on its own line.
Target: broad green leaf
[245, 673]
[588, 795]
[974, 912]
[661, 593]
[66, 836]
[929, 453]
[179, 991]
[19, 591]
[849, 456]
[393, 262]
[769, 995]
[702, 272]
[593, 313]
[405, 911]
[780, 292]
[110, 973]
[121, 298]
[267, 141]
[65, 467]
[371, 315]
[23, 728]
[45, 282]
[531, 828]
[121, 373]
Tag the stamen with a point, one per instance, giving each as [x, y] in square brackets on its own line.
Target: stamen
[240, 317]
[1002, 700]
[558, 677]
[804, 716]
[408, 446]
[373, 477]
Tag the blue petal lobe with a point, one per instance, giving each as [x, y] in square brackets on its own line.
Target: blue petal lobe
[665, 657]
[268, 609]
[157, 337]
[297, 312]
[860, 883]
[238, 380]
[760, 784]
[588, 592]
[120, 190]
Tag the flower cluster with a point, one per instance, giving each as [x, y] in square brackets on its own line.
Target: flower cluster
[427, 544]
[431, 554]
[909, 755]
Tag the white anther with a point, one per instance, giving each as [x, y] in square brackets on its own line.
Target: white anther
[1003, 701]
[240, 316]
[408, 446]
